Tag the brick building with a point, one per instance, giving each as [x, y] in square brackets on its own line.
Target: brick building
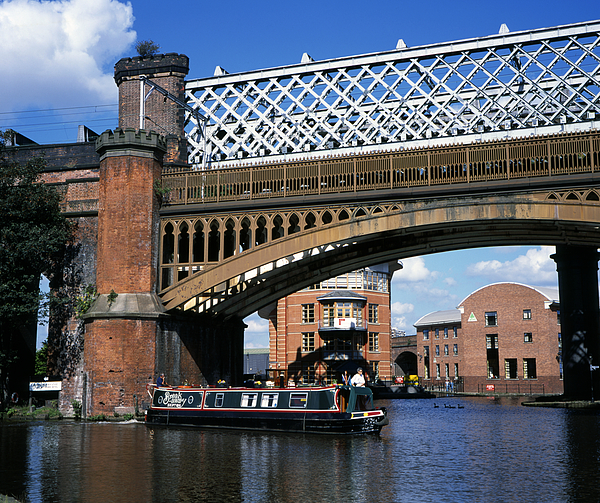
[504, 337]
[337, 325]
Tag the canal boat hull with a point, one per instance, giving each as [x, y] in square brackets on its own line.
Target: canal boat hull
[326, 410]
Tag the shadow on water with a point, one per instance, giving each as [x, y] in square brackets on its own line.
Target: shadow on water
[486, 450]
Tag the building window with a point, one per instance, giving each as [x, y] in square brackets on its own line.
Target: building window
[308, 341]
[456, 370]
[447, 369]
[374, 370]
[437, 333]
[426, 371]
[526, 314]
[437, 370]
[308, 313]
[454, 332]
[446, 352]
[455, 350]
[437, 350]
[425, 335]
[491, 319]
[529, 368]
[445, 332]
[373, 341]
[328, 315]
[493, 363]
[510, 368]
[426, 351]
[527, 337]
[373, 313]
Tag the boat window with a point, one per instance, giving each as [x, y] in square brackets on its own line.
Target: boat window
[219, 400]
[269, 400]
[249, 399]
[298, 400]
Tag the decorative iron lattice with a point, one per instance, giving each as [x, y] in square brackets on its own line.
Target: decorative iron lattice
[510, 81]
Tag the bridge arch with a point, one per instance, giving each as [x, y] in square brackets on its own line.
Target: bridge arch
[364, 234]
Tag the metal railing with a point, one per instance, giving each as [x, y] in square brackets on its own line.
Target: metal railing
[541, 156]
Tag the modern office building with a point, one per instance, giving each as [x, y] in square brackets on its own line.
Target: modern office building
[504, 337]
[334, 326]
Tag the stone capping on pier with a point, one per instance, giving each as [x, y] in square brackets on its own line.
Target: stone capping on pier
[127, 305]
[138, 143]
[160, 65]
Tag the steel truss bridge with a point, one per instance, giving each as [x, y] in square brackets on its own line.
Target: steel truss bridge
[485, 88]
[325, 167]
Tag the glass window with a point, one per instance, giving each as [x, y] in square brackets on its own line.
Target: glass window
[529, 368]
[437, 351]
[328, 315]
[527, 337]
[445, 332]
[437, 333]
[510, 368]
[426, 350]
[437, 370]
[269, 400]
[425, 335]
[455, 349]
[308, 341]
[308, 313]
[219, 399]
[447, 369]
[491, 319]
[373, 341]
[373, 313]
[249, 399]
[456, 370]
[526, 314]
[298, 400]
[454, 332]
[446, 352]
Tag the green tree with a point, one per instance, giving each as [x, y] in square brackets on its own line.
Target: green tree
[41, 360]
[146, 48]
[33, 235]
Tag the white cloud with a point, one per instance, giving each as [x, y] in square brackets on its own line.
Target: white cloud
[413, 270]
[450, 281]
[256, 335]
[534, 268]
[402, 308]
[54, 52]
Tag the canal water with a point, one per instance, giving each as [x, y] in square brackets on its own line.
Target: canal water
[491, 450]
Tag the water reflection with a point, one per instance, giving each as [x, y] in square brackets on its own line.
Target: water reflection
[487, 451]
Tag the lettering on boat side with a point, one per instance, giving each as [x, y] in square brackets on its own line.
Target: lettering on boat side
[178, 399]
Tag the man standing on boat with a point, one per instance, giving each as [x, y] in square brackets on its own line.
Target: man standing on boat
[161, 381]
[358, 379]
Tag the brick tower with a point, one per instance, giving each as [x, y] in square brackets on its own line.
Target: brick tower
[160, 114]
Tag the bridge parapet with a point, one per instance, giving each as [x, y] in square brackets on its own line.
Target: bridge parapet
[533, 157]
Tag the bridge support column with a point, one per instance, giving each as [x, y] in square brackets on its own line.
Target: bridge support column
[122, 326]
[577, 268]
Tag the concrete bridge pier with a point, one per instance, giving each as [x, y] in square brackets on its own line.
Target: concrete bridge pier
[577, 268]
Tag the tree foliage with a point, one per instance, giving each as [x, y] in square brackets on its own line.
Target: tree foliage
[147, 48]
[33, 235]
[41, 360]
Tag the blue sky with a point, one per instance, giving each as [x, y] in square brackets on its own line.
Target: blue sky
[61, 55]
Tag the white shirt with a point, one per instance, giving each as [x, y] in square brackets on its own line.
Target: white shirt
[358, 380]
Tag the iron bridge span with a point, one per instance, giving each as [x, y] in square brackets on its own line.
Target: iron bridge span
[235, 240]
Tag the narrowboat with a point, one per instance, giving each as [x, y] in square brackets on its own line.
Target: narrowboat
[327, 409]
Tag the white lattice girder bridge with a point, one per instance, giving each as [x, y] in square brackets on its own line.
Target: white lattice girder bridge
[505, 82]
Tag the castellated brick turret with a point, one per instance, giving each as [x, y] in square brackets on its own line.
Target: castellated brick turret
[161, 115]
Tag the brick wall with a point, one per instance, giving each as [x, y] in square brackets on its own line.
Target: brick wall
[508, 300]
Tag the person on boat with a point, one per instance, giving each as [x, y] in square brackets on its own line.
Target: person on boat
[359, 378]
[161, 381]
